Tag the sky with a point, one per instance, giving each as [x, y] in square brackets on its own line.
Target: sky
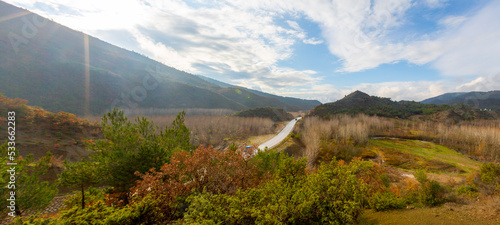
[310, 49]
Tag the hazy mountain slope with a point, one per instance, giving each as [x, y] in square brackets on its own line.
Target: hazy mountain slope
[478, 100]
[44, 62]
[251, 100]
[302, 104]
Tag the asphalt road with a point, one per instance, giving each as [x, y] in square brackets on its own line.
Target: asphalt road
[281, 136]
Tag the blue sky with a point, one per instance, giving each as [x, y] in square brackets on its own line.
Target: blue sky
[315, 49]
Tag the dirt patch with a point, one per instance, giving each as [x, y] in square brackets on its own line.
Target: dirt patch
[257, 140]
[447, 179]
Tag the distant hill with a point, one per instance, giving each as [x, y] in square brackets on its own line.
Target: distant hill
[275, 114]
[47, 67]
[359, 102]
[478, 100]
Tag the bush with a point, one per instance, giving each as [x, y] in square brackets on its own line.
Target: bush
[205, 169]
[334, 194]
[490, 178]
[92, 195]
[431, 192]
[99, 213]
[467, 189]
[386, 201]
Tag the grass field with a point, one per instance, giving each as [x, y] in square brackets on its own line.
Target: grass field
[414, 154]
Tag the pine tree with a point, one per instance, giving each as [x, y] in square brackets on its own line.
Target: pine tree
[129, 147]
[81, 175]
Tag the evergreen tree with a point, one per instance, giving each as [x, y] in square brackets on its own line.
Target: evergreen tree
[130, 147]
[81, 175]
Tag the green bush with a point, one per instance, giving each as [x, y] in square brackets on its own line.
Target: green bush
[386, 201]
[99, 213]
[490, 173]
[469, 190]
[91, 195]
[489, 181]
[334, 194]
[431, 192]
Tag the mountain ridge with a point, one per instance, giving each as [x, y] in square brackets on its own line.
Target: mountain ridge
[476, 99]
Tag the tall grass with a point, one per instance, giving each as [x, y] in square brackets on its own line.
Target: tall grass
[188, 111]
[216, 130]
[477, 140]
[357, 129]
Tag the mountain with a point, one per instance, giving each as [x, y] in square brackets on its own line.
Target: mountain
[45, 63]
[478, 100]
[359, 102]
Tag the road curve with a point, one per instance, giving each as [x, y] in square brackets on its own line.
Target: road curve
[279, 137]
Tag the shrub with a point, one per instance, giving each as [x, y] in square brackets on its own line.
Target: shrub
[470, 190]
[99, 213]
[92, 195]
[431, 192]
[386, 201]
[334, 194]
[490, 173]
[488, 179]
[205, 169]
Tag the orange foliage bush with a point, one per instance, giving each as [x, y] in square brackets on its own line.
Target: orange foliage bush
[205, 169]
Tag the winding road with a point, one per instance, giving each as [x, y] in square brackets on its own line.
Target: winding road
[279, 137]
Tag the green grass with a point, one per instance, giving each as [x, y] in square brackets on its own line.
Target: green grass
[425, 154]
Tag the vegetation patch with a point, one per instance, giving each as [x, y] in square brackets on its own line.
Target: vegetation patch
[359, 102]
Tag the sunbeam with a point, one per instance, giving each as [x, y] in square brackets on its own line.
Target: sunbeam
[87, 73]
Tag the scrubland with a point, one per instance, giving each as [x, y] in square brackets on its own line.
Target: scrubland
[347, 170]
[455, 164]
[479, 139]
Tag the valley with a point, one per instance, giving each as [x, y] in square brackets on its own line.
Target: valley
[195, 112]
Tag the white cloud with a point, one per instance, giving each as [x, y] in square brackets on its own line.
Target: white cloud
[435, 3]
[411, 90]
[452, 21]
[354, 31]
[397, 91]
[91, 15]
[491, 82]
[294, 25]
[312, 41]
[474, 49]
[359, 33]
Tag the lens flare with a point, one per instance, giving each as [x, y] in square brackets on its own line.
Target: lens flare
[87, 74]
